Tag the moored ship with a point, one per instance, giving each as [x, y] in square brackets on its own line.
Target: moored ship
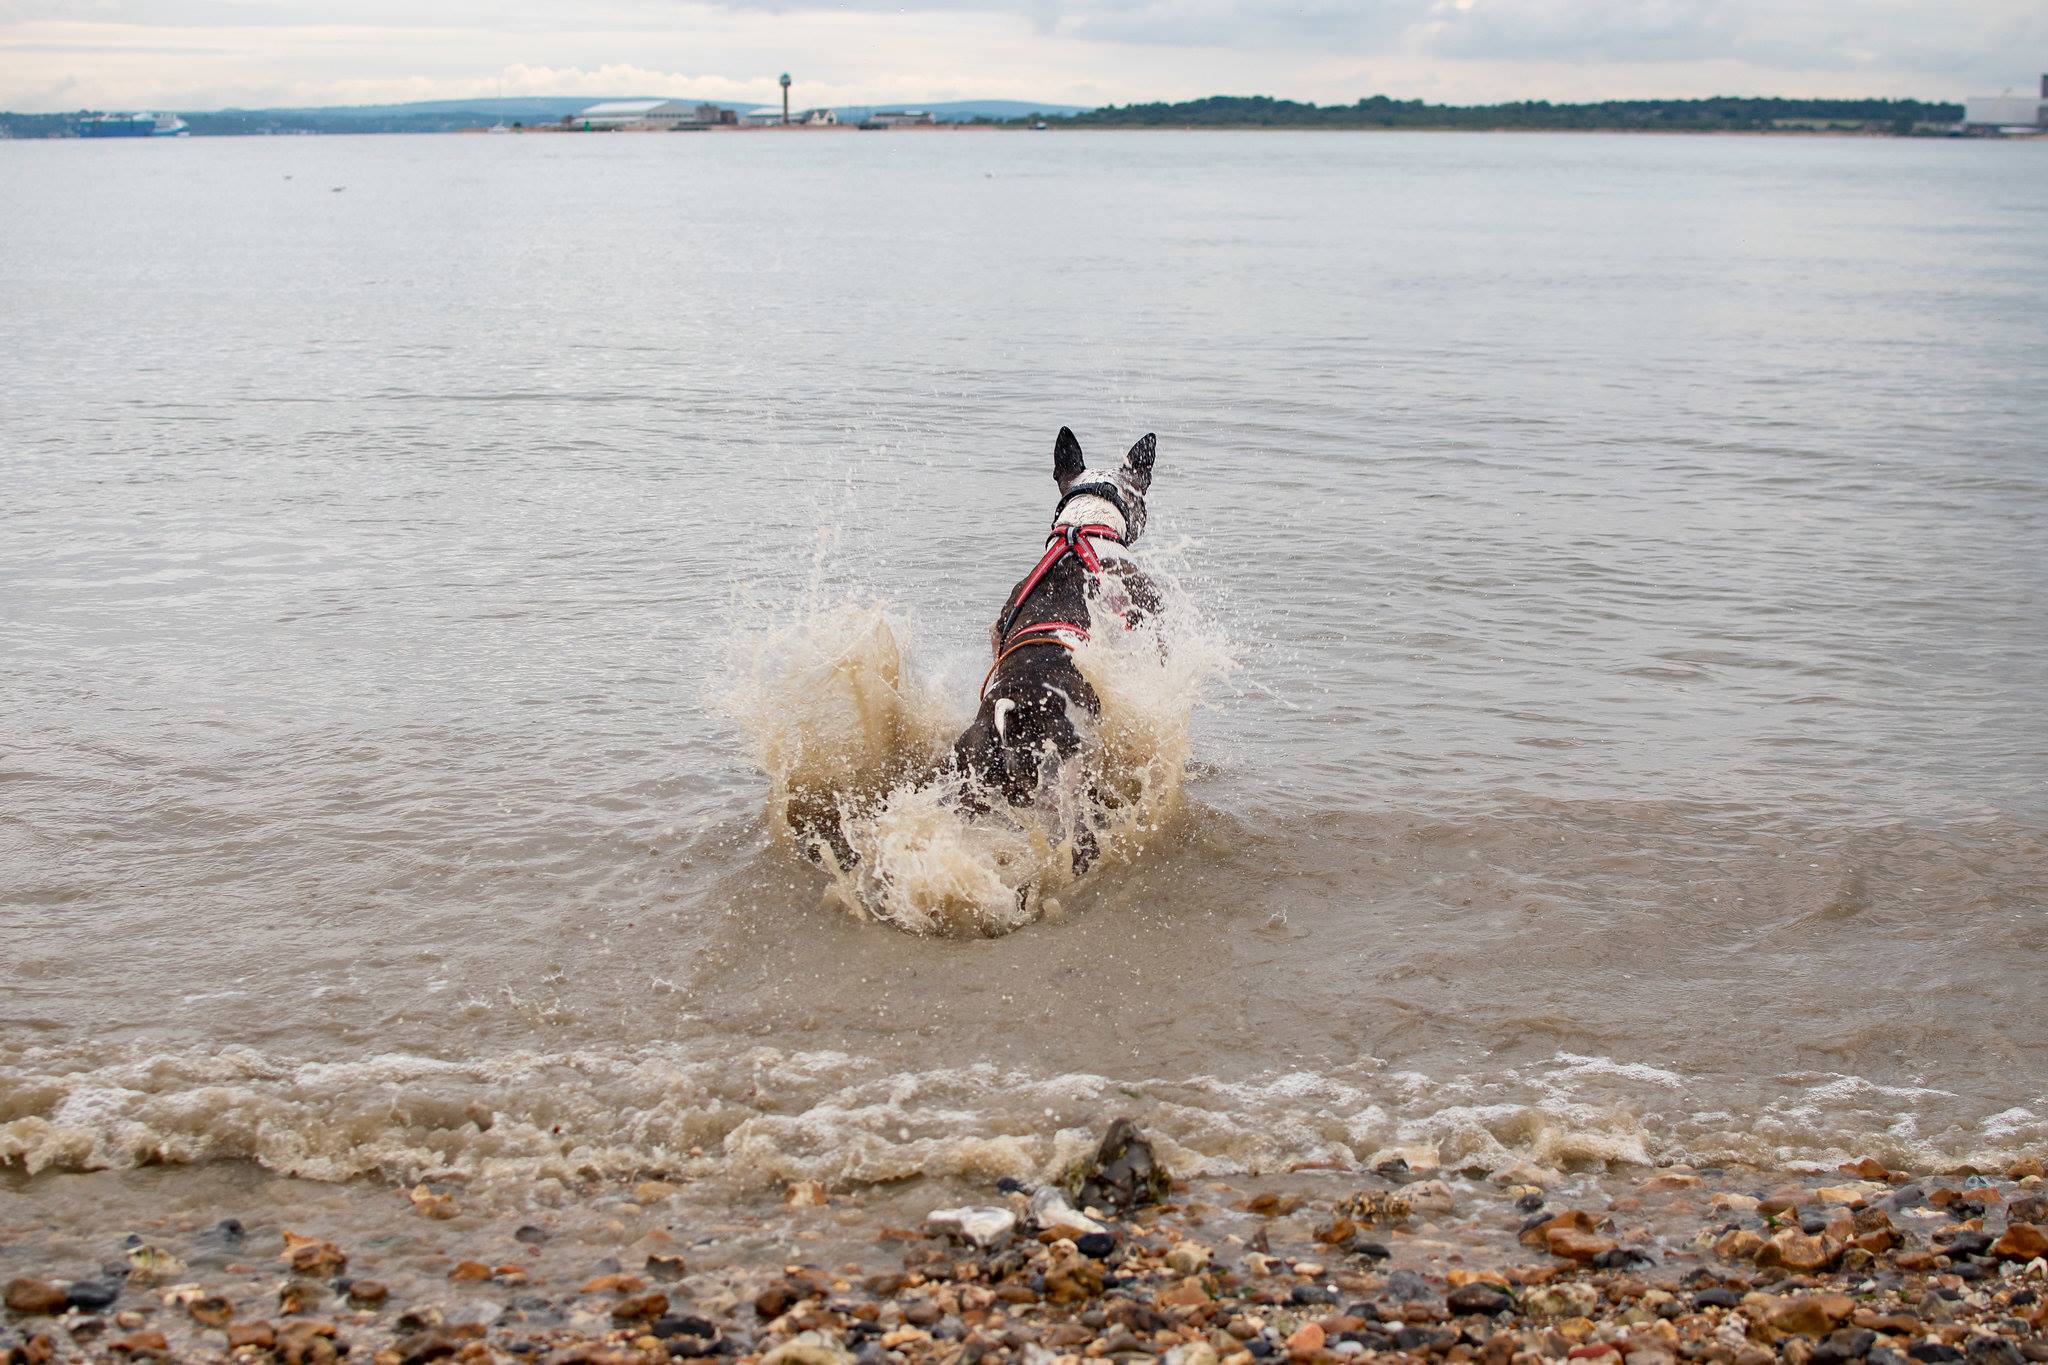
[132, 125]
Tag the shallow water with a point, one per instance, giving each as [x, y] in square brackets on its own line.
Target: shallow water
[1627, 552]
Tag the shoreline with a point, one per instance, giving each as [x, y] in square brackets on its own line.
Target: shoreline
[552, 130]
[1313, 1267]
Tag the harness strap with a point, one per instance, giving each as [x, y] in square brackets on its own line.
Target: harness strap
[1026, 638]
[1064, 541]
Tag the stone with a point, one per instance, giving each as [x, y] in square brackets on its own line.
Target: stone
[1401, 1163]
[1808, 1315]
[1050, 1212]
[1188, 1293]
[1406, 1286]
[1985, 1349]
[149, 1343]
[1305, 1340]
[1095, 1244]
[1188, 1258]
[1731, 1202]
[2032, 1209]
[259, 1335]
[1074, 1278]
[1848, 1344]
[470, 1272]
[1376, 1206]
[684, 1325]
[1123, 1174]
[805, 1194]
[1431, 1196]
[1738, 1244]
[640, 1307]
[93, 1295]
[427, 1204]
[666, 1268]
[614, 1284]
[210, 1310]
[1795, 1250]
[986, 1228]
[1192, 1353]
[2021, 1242]
[1669, 1181]
[311, 1256]
[1575, 1245]
[1967, 1243]
[35, 1297]
[1536, 1232]
[1862, 1192]
[1569, 1300]
[367, 1293]
[296, 1296]
[1479, 1297]
[146, 1263]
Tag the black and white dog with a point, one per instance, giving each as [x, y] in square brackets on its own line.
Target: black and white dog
[1037, 711]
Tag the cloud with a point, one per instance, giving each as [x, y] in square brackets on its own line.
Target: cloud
[194, 54]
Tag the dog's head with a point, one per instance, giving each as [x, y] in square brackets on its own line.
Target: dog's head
[1123, 487]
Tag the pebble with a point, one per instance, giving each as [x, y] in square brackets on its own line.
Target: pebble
[981, 1227]
[1050, 1212]
[35, 1297]
[367, 1293]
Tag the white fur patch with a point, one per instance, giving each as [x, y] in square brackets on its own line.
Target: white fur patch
[1003, 707]
[1090, 510]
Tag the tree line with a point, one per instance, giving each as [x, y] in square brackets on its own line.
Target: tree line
[1721, 114]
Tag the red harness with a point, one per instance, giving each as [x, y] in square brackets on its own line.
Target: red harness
[1066, 540]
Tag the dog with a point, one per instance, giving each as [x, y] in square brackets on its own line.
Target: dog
[1031, 733]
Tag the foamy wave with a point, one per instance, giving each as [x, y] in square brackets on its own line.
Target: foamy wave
[854, 738]
[512, 1123]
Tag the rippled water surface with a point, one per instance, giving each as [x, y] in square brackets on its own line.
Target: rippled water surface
[1629, 553]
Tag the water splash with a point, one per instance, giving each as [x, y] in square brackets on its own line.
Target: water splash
[854, 738]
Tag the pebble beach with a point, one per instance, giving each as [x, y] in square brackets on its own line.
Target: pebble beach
[1118, 1260]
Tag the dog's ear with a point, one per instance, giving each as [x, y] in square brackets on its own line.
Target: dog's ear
[1138, 464]
[1067, 462]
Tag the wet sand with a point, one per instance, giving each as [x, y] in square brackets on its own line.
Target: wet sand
[1313, 1267]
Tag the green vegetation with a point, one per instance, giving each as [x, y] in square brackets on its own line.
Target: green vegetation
[1719, 115]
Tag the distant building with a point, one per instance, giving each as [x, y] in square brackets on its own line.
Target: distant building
[899, 118]
[815, 118]
[2028, 112]
[698, 116]
[618, 115]
[615, 114]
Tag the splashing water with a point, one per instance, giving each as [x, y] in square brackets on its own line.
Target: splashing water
[855, 739]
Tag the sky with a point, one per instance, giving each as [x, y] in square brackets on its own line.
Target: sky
[203, 54]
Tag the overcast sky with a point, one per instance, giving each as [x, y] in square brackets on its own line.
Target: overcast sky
[200, 54]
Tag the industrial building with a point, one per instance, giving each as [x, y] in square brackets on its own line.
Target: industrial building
[899, 118]
[2008, 113]
[624, 115]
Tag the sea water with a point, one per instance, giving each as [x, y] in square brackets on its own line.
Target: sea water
[1607, 725]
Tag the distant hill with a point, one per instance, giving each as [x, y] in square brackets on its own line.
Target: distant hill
[1378, 111]
[442, 116]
